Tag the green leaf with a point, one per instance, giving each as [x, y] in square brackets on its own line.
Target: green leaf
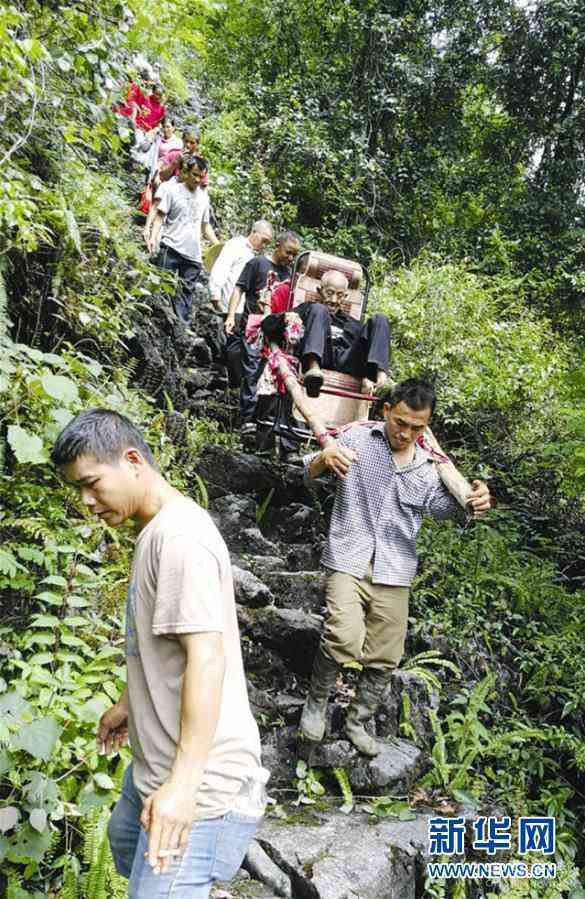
[13, 704]
[60, 388]
[41, 658]
[27, 447]
[44, 638]
[103, 780]
[38, 738]
[42, 792]
[4, 846]
[73, 230]
[6, 762]
[8, 564]
[53, 599]
[9, 816]
[64, 63]
[76, 621]
[93, 710]
[71, 640]
[38, 819]
[44, 621]
[29, 845]
[88, 799]
[55, 579]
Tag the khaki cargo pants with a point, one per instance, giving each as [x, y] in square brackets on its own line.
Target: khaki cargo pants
[366, 622]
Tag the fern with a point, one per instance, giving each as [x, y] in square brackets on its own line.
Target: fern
[70, 888]
[201, 492]
[441, 767]
[419, 666]
[406, 728]
[95, 855]
[345, 787]
[101, 880]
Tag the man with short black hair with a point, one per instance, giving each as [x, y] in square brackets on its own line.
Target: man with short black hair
[193, 795]
[257, 276]
[387, 484]
[181, 219]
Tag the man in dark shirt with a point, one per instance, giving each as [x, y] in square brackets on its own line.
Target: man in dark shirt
[258, 274]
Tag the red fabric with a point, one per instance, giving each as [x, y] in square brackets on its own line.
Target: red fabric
[273, 358]
[134, 97]
[146, 199]
[155, 111]
[280, 297]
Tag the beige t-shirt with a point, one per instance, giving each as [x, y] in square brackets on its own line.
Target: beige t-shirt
[181, 583]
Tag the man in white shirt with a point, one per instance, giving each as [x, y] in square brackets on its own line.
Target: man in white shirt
[182, 218]
[231, 261]
[193, 796]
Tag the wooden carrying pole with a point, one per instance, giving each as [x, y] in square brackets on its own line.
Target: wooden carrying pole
[457, 485]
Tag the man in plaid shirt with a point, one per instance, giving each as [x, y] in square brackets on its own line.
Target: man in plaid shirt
[387, 483]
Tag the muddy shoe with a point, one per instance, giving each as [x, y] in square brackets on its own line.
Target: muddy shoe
[312, 726]
[371, 685]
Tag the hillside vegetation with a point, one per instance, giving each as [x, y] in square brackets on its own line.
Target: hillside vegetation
[441, 144]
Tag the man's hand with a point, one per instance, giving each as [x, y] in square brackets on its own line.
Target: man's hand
[338, 459]
[167, 816]
[230, 323]
[112, 731]
[479, 498]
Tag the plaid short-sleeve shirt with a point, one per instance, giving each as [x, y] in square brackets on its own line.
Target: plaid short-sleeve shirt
[379, 508]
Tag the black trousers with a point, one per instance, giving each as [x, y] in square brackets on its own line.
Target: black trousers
[361, 351]
[188, 272]
[274, 416]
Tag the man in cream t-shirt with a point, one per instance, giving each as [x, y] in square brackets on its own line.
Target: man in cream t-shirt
[193, 796]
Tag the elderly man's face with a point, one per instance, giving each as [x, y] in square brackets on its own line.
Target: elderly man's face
[333, 293]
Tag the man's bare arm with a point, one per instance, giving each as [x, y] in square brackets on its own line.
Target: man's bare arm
[150, 219]
[231, 315]
[112, 731]
[209, 234]
[333, 458]
[168, 813]
[200, 703]
[152, 241]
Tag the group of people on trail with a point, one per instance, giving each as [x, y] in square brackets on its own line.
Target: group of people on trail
[243, 278]
[175, 198]
[193, 797]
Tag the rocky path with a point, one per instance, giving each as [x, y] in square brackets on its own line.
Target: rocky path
[274, 527]
[307, 851]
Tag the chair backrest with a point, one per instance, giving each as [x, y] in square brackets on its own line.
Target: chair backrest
[309, 270]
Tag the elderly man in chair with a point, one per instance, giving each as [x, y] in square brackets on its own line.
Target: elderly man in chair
[332, 338]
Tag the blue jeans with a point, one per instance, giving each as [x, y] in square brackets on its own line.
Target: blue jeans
[215, 851]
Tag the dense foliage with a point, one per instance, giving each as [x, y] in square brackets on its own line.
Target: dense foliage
[441, 143]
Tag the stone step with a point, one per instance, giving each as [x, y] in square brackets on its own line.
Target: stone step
[334, 856]
[297, 589]
[292, 633]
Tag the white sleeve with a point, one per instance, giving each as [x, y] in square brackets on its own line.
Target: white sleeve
[221, 269]
[164, 195]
